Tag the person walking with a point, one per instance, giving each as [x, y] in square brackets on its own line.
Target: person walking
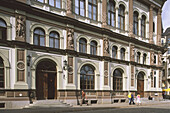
[83, 98]
[129, 97]
[138, 99]
[132, 98]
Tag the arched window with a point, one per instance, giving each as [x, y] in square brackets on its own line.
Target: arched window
[93, 47]
[83, 45]
[122, 53]
[143, 26]
[135, 23]
[118, 80]
[2, 81]
[54, 40]
[39, 37]
[138, 57]
[144, 58]
[80, 7]
[121, 17]
[87, 77]
[111, 13]
[114, 52]
[3, 30]
[92, 5]
[55, 3]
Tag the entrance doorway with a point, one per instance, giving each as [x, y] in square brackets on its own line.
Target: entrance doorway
[140, 84]
[46, 80]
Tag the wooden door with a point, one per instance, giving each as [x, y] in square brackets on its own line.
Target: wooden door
[140, 87]
[45, 85]
[51, 86]
[39, 84]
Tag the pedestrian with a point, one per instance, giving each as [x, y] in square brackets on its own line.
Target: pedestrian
[132, 99]
[138, 99]
[129, 97]
[83, 98]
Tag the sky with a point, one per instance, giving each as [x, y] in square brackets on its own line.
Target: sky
[166, 15]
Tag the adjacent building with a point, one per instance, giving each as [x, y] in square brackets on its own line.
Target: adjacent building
[53, 49]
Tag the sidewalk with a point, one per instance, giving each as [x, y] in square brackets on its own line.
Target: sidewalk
[122, 105]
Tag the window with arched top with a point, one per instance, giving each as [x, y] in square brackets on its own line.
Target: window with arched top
[55, 3]
[3, 30]
[83, 45]
[143, 26]
[121, 17]
[39, 37]
[118, 80]
[111, 13]
[92, 7]
[93, 47]
[122, 53]
[114, 52]
[2, 81]
[135, 23]
[54, 40]
[79, 7]
[144, 58]
[138, 57]
[87, 77]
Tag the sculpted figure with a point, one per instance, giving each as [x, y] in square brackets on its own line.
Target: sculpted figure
[70, 35]
[20, 27]
[106, 46]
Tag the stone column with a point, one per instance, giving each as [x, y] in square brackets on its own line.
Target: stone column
[159, 27]
[104, 13]
[130, 18]
[151, 24]
[139, 26]
[117, 9]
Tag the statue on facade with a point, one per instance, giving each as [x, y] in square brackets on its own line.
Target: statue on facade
[70, 37]
[20, 27]
[160, 59]
[106, 46]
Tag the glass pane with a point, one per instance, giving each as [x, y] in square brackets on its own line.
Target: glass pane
[58, 3]
[56, 43]
[112, 17]
[51, 42]
[94, 13]
[82, 8]
[51, 2]
[118, 21]
[41, 1]
[90, 1]
[42, 41]
[76, 6]
[35, 39]
[90, 11]
[2, 23]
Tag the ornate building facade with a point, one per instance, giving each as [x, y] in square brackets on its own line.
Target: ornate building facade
[53, 49]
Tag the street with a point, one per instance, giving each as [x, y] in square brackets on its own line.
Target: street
[162, 108]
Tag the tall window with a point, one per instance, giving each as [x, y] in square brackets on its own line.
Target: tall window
[1, 73]
[135, 23]
[39, 37]
[169, 72]
[117, 80]
[80, 7]
[55, 3]
[143, 26]
[54, 40]
[83, 45]
[153, 26]
[114, 52]
[111, 13]
[154, 59]
[3, 29]
[93, 9]
[138, 57]
[144, 58]
[93, 47]
[155, 79]
[87, 77]
[122, 54]
[121, 17]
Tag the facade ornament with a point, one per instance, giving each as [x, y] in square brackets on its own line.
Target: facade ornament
[160, 59]
[69, 6]
[70, 38]
[20, 27]
[106, 46]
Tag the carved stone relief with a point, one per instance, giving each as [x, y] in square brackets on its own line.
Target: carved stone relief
[106, 46]
[70, 39]
[20, 28]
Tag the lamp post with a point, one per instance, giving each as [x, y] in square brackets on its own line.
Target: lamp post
[31, 94]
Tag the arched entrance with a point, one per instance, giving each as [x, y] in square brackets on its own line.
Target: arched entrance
[46, 80]
[140, 84]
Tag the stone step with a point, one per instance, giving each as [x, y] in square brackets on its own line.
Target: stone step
[47, 103]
